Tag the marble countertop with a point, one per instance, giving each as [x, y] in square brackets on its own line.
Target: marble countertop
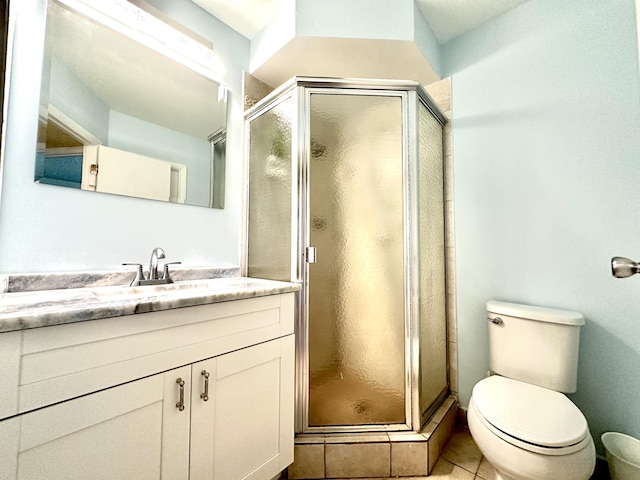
[32, 309]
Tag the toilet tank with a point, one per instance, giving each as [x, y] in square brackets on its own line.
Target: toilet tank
[536, 345]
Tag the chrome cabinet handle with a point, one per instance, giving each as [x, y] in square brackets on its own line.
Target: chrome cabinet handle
[180, 404]
[205, 395]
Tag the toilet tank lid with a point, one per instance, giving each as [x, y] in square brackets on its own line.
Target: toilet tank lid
[530, 312]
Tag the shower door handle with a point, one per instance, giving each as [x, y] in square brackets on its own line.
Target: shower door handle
[310, 255]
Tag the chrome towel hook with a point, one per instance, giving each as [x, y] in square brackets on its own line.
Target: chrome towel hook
[622, 267]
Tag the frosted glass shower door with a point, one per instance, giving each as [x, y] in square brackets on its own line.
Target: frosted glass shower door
[431, 286]
[270, 194]
[356, 299]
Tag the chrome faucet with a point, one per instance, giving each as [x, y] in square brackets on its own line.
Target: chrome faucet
[153, 277]
[153, 263]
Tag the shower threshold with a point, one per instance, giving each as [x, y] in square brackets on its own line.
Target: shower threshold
[376, 454]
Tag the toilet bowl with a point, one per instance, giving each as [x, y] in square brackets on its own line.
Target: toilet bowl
[519, 417]
[530, 433]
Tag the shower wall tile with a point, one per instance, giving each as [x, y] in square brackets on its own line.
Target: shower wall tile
[358, 460]
[448, 176]
[449, 239]
[254, 90]
[448, 144]
[441, 92]
[453, 367]
[452, 327]
[450, 281]
[445, 106]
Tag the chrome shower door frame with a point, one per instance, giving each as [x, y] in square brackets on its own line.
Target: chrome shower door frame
[364, 88]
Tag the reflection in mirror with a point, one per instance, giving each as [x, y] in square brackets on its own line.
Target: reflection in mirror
[123, 112]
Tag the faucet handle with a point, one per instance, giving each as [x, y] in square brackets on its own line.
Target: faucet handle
[165, 276]
[139, 275]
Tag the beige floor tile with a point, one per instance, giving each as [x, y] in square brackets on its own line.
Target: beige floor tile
[486, 470]
[445, 470]
[386, 478]
[462, 450]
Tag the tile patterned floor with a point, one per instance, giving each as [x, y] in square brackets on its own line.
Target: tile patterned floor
[462, 460]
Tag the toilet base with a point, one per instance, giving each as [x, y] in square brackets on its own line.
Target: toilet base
[503, 477]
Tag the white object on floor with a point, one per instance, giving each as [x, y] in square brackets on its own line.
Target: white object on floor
[623, 455]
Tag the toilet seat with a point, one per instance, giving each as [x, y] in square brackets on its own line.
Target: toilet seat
[531, 417]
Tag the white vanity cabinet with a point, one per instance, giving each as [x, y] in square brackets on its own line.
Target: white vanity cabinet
[130, 431]
[225, 410]
[245, 429]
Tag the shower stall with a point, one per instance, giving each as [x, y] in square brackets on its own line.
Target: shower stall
[345, 196]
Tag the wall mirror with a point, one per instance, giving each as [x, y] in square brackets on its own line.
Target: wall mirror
[129, 105]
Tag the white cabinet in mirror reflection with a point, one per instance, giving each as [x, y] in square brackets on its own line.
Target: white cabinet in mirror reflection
[111, 170]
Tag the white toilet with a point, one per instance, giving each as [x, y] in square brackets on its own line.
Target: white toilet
[520, 421]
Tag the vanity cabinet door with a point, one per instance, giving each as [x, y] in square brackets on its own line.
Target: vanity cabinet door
[245, 429]
[125, 432]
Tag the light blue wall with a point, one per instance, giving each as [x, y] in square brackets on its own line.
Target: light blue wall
[72, 97]
[546, 148]
[273, 36]
[426, 40]
[380, 19]
[47, 228]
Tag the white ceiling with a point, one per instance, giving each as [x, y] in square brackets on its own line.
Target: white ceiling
[447, 18]
[245, 16]
[451, 18]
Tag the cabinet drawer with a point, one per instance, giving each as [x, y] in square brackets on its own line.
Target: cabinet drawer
[65, 361]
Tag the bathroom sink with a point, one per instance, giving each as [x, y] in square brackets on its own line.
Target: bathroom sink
[184, 287]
